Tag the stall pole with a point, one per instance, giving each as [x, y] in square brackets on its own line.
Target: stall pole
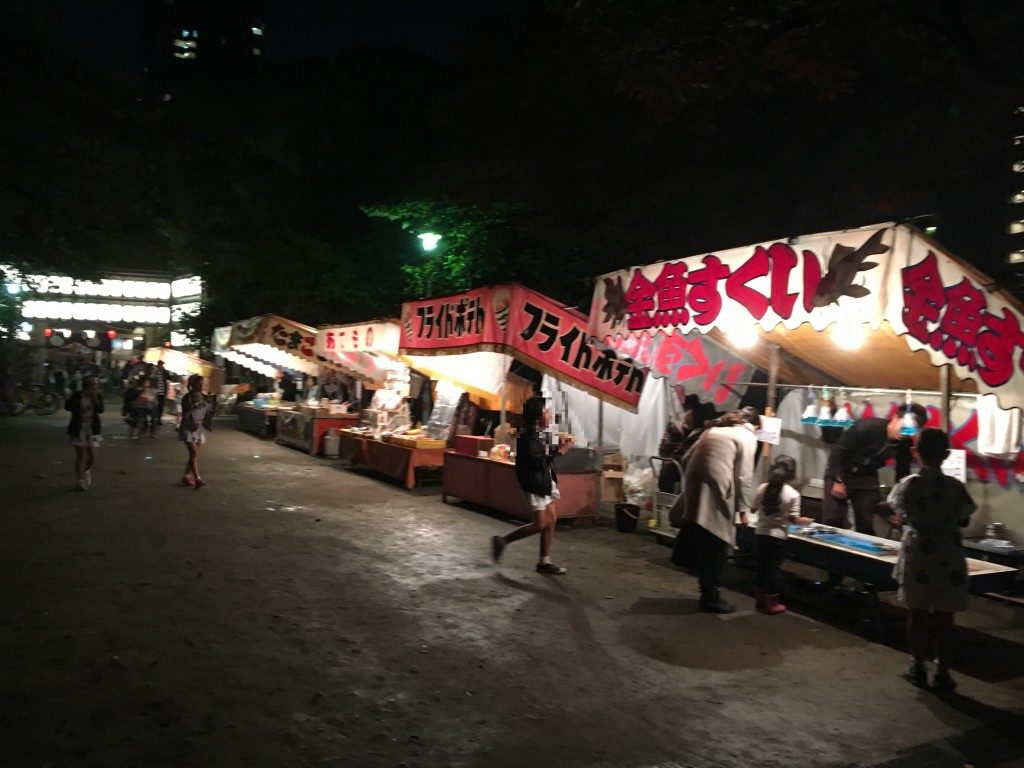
[944, 397]
[772, 401]
[600, 452]
[504, 389]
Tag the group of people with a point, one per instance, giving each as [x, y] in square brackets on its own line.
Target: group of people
[145, 399]
[85, 425]
[717, 457]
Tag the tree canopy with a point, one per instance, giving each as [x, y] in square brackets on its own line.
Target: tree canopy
[594, 134]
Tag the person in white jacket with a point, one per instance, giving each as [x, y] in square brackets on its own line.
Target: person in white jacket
[717, 493]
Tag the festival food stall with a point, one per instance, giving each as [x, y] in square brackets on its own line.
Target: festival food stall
[183, 365]
[384, 438]
[269, 345]
[388, 438]
[884, 311]
[511, 321]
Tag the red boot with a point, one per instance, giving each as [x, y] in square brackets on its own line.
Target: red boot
[772, 606]
[760, 593]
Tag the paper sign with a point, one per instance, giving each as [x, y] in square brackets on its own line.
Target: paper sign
[770, 431]
[955, 464]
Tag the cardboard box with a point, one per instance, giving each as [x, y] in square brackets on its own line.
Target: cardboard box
[611, 485]
[470, 445]
[613, 461]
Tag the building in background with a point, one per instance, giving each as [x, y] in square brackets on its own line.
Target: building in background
[184, 38]
[107, 319]
[1015, 227]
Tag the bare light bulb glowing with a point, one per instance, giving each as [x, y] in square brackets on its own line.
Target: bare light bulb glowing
[849, 335]
[429, 240]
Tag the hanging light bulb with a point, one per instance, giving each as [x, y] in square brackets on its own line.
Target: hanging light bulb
[842, 417]
[811, 411]
[849, 335]
[910, 425]
[825, 411]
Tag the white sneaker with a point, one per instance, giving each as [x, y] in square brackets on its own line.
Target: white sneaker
[88, 478]
[80, 485]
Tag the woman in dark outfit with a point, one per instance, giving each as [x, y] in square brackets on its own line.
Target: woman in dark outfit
[539, 484]
[85, 405]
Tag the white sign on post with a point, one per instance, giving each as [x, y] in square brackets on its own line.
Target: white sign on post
[955, 464]
[770, 431]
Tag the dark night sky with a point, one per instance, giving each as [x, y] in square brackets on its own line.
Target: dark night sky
[109, 33]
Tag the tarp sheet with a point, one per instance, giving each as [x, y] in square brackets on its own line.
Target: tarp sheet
[887, 275]
[528, 326]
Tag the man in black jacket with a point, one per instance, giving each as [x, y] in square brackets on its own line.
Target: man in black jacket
[851, 476]
[539, 483]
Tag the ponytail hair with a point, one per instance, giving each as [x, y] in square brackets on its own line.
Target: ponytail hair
[782, 471]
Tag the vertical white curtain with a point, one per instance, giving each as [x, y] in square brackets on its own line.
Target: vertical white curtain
[635, 434]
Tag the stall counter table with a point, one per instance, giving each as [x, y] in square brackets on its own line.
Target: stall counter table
[306, 430]
[352, 446]
[400, 462]
[492, 483]
[262, 422]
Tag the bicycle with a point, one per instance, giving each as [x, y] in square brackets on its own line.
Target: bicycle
[34, 398]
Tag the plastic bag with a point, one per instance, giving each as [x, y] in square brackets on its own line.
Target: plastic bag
[638, 485]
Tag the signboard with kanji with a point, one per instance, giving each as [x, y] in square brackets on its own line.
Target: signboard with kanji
[529, 326]
[292, 346]
[885, 274]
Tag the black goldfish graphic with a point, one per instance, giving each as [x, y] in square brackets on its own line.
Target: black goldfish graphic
[845, 263]
[615, 301]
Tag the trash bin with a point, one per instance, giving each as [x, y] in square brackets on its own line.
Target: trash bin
[332, 444]
[626, 516]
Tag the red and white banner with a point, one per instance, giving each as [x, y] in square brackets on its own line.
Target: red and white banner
[850, 279]
[529, 326]
[288, 345]
[376, 338]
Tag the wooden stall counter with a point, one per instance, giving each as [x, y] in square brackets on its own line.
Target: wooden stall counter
[492, 483]
[352, 446]
[262, 422]
[399, 462]
[306, 429]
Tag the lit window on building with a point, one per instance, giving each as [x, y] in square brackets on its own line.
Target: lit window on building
[1016, 257]
[258, 31]
[1016, 227]
[1018, 197]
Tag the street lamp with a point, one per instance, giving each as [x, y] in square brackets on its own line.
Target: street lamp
[429, 240]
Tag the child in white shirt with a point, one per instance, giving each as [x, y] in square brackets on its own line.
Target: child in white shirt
[777, 504]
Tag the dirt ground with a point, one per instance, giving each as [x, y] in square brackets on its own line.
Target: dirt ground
[297, 613]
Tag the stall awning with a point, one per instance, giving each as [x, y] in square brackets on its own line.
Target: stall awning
[184, 364]
[365, 350]
[882, 306]
[514, 321]
[271, 342]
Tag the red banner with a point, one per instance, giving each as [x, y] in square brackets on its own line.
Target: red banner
[529, 326]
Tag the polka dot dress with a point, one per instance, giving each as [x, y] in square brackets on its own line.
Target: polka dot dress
[931, 569]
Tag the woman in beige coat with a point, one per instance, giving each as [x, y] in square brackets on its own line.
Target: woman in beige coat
[718, 490]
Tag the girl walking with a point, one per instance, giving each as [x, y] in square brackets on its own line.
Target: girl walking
[931, 569]
[777, 504]
[85, 406]
[196, 417]
[539, 485]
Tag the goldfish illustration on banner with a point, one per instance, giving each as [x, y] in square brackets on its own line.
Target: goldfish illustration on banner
[615, 301]
[845, 263]
[501, 303]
